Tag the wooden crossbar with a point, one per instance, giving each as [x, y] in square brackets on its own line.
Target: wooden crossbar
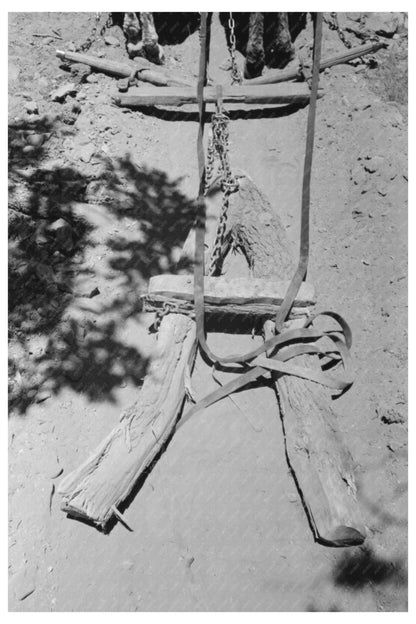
[237, 296]
[177, 96]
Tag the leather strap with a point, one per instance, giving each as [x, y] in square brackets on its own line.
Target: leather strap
[255, 364]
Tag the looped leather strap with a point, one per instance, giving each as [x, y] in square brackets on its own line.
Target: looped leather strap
[263, 366]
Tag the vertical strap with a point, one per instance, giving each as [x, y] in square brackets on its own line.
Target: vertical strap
[300, 273]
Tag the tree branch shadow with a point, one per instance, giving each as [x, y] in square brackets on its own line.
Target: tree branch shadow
[56, 339]
[363, 567]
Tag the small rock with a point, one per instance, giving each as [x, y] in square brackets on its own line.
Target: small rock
[390, 416]
[92, 78]
[35, 139]
[100, 53]
[60, 94]
[111, 41]
[94, 293]
[42, 396]
[374, 164]
[28, 149]
[32, 108]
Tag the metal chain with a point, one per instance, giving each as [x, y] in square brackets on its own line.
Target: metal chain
[167, 308]
[219, 147]
[333, 24]
[93, 35]
[236, 76]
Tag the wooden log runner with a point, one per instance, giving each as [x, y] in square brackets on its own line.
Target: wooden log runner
[94, 490]
[320, 462]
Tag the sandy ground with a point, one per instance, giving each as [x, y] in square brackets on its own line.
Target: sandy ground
[218, 524]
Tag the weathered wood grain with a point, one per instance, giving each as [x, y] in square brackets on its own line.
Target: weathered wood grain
[237, 296]
[178, 96]
[320, 462]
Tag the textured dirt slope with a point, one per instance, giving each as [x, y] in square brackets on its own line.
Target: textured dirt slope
[218, 524]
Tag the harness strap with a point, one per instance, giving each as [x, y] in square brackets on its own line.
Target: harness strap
[199, 266]
[300, 273]
[254, 363]
[263, 366]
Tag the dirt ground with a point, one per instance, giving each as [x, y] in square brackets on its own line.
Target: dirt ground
[217, 523]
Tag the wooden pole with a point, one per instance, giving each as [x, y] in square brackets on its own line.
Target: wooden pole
[284, 75]
[142, 68]
[170, 96]
[236, 296]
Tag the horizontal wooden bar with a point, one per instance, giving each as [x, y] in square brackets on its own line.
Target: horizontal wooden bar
[177, 96]
[283, 75]
[242, 296]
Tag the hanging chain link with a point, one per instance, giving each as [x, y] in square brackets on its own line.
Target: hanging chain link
[333, 24]
[93, 35]
[167, 308]
[236, 76]
[218, 146]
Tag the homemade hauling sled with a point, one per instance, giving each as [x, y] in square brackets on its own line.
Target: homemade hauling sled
[256, 293]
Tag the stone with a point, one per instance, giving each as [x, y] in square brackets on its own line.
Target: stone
[374, 164]
[111, 41]
[92, 78]
[32, 108]
[60, 94]
[390, 416]
[35, 139]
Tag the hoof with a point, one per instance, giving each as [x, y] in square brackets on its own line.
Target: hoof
[155, 53]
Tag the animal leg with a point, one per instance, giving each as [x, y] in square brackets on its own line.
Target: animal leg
[281, 50]
[153, 51]
[133, 34]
